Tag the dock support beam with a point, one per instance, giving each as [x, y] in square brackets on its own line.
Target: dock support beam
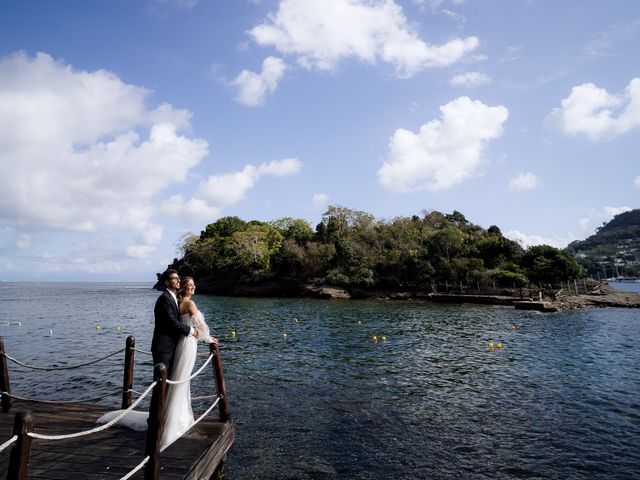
[127, 383]
[155, 423]
[220, 387]
[4, 378]
[21, 451]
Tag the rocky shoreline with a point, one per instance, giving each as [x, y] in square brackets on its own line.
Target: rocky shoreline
[602, 296]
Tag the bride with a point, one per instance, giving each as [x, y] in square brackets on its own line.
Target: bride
[179, 415]
[178, 412]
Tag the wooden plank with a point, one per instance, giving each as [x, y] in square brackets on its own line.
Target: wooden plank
[111, 453]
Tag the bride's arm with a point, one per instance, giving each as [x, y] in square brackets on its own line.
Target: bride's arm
[203, 329]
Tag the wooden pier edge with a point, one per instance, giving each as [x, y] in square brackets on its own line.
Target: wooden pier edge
[212, 460]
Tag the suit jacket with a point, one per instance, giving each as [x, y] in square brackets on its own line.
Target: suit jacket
[168, 328]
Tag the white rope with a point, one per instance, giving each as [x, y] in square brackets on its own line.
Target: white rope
[35, 367]
[135, 470]
[96, 429]
[143, 351]
[8, 442]
[213, 405]
[178, 382]
[26, 399]
[206, 397]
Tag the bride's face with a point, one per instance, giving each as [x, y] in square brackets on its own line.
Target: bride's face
[190, 288]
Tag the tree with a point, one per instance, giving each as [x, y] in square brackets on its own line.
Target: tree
[546, 264]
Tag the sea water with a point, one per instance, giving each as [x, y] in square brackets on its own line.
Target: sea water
[427, 400]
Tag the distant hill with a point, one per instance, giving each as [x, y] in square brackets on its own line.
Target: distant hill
[614, 250]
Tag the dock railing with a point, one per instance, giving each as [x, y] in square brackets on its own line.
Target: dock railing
[23, 430]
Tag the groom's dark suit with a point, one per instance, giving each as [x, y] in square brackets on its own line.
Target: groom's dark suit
[168, 330]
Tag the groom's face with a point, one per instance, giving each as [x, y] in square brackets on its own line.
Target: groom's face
[174, 282]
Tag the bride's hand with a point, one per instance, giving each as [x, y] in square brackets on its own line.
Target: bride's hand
[214, 340]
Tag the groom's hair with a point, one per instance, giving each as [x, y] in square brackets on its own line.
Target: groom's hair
[166, 274]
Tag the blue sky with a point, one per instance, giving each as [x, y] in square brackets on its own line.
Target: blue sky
[125, 125]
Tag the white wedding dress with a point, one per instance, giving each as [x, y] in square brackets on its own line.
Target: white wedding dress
[178, 412]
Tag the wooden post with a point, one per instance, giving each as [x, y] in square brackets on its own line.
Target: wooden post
[575, 284]
[155, 423]
[19, 459]
[127, 382]
[223, 405]
[5, 386]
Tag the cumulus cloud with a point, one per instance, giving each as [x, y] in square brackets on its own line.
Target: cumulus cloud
[592, 111]
[470, 80]
[253, 87]
[530, 240]
[524, 181]
[636, 182]
[321, 34]
[444, 152]
[320, 199]
[220, 191]
[90, 153]
[610, 212]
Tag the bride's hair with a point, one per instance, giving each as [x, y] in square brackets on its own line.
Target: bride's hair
[183, 284]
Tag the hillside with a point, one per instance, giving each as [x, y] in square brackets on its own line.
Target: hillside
[614, 250]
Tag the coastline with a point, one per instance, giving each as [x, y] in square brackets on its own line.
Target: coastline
[601, 297]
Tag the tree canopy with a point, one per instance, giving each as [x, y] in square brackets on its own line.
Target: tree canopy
[350, 248]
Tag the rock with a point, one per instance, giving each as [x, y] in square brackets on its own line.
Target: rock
[325, 292]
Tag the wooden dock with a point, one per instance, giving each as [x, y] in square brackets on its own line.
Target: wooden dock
[114, 452]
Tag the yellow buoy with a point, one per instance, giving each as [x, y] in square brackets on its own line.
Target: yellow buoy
[375, 339]
[359, 322]
[384, 339]
[490, 345]
[97, 328]
[284, 335]
[233, 333]
[499, 346]
[117, 328]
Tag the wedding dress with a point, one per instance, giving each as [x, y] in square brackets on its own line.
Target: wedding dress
[178, 411]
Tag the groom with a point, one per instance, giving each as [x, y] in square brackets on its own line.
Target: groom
[168, 328]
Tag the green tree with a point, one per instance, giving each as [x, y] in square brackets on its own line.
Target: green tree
[549, 265]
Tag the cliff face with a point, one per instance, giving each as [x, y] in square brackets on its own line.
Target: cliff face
[614, 250]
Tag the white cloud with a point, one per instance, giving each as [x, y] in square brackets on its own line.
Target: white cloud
[470, 80]
[594, 112]
[584, 223]
[444, 152]
[24, 241]
[636, 182]
[610, 212]
[253, 87]
[530, 240]
[524, 181]
[321, 34]
[320, 199]
[220, 191]
[89, 153]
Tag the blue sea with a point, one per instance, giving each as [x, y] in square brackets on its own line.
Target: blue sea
[428, 400]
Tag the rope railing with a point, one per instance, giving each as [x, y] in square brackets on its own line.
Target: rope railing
[136, 469]
[96, 429]
[178, 382]
[26, 399]
[8, 442]
[70, 367]
[142, 351]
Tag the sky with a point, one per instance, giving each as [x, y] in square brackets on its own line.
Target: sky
[126, 125]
